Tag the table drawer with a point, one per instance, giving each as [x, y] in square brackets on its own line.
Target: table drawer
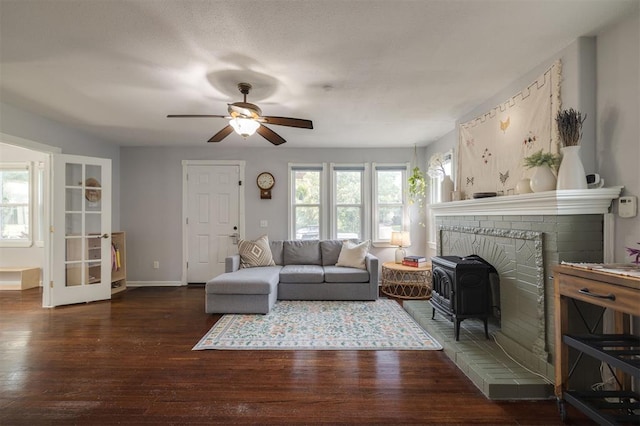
[623, 299]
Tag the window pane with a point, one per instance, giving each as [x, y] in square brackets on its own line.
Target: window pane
[349, 222]
[307, 187]
[389, 219]
[14, 201]
[389, 189]
[348, 187]
[15, 186]
[307, 222]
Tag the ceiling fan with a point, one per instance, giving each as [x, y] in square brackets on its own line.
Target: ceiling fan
[246, 119]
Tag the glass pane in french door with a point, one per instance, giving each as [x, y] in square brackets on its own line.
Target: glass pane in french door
[83, 210]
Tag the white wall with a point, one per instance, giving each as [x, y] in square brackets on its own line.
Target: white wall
[618, 120]
[151, 196]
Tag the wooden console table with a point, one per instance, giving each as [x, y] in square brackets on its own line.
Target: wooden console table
[618, 292]
[406, 282]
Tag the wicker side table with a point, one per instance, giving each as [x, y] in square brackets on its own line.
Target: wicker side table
[406, 282]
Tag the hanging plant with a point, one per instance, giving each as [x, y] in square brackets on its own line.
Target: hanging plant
[417, 186]
[417, 182]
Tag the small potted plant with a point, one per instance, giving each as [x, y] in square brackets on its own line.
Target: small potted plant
[543, 164]
[417, 187]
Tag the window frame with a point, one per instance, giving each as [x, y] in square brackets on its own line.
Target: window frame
[364, 205]
[435, 193]
[322, 216]
[28, 166]
[403, 168]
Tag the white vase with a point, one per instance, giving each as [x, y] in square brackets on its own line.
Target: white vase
[543, 179]
[571, 173]
[523, 186]
[446, 187]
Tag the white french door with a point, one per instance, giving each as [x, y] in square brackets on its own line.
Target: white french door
[81, 243]
[213, 218]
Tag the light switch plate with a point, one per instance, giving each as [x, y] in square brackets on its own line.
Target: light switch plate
[264, 224]
[628, 206]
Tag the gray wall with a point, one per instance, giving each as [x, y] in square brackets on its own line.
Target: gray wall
[618, 120]
[600, 76]
[151, 198]
[18, 122]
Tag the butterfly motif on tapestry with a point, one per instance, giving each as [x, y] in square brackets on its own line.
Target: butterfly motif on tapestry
[505, 124]
[470, 181]
[504, 177]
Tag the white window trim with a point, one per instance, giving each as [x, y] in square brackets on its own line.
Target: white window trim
[375, 241]
[323, 219]
[435, 196]
[365, 205]
[22, 165]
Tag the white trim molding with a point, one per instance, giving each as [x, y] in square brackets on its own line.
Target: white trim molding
[563, 202]
[154, 284]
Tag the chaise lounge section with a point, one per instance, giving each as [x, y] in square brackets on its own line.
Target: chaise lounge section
[302, 270]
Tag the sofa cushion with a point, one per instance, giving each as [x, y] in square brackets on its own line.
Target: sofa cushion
[276, 251]
[330, 250]
[352, 255]
[340, 274]
[302, 252]
[255, 253]
[262, 280]
[302, 274]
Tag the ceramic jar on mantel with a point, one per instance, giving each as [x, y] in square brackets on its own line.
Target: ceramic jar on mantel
[571, 173]
[543, 179]
[446, 188]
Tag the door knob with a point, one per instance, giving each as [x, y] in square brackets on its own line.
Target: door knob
[105, 236]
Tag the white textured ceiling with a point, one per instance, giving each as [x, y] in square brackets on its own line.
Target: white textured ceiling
[368, 73]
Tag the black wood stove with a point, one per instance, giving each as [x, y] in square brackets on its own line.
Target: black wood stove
[461, 289]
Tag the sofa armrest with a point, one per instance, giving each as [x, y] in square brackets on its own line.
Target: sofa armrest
[372, 266]
[232, 263]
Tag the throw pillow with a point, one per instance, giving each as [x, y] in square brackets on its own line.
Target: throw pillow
[255, 253]
[352, 255]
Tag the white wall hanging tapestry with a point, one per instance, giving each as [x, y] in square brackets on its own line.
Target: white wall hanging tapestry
[492, 146]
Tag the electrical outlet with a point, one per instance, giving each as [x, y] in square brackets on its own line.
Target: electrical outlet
[156, 264]
[264, 223]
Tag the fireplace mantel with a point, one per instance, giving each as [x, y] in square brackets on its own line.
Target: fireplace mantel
[563, 202]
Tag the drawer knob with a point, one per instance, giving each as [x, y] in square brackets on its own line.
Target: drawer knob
[586, 292]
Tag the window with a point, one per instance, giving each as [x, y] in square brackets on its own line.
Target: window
[15, 201]
[439, 165]
[348, 200]
[389, 201]
[307, 196]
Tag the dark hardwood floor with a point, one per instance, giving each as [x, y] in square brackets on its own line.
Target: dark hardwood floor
[129, 361]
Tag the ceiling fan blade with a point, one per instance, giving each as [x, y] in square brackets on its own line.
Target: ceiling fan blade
[195, 116]
[226, 131]
[291, 122]
[270, 135]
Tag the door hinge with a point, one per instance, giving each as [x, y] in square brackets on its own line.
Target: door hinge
[51, 284]
[51, 229]
[187, 265]
[239, 183]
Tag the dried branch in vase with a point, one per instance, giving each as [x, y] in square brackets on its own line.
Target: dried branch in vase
[570, 126]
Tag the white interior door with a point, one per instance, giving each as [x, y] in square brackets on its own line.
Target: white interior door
[81, 243]
[213, 219]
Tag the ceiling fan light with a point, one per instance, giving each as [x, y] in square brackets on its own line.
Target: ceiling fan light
[244, 126]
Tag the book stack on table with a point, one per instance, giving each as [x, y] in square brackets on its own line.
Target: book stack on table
[415, 261]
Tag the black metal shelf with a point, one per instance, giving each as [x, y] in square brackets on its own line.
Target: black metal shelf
[607, 407]
[618, 350]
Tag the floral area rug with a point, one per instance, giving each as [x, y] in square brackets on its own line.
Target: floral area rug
[321, 325]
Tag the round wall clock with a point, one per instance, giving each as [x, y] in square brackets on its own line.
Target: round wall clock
[265, 182]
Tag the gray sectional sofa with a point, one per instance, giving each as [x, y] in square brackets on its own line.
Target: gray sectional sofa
[304, 270]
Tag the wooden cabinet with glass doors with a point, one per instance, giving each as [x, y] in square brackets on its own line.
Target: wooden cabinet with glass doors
[89, 272]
